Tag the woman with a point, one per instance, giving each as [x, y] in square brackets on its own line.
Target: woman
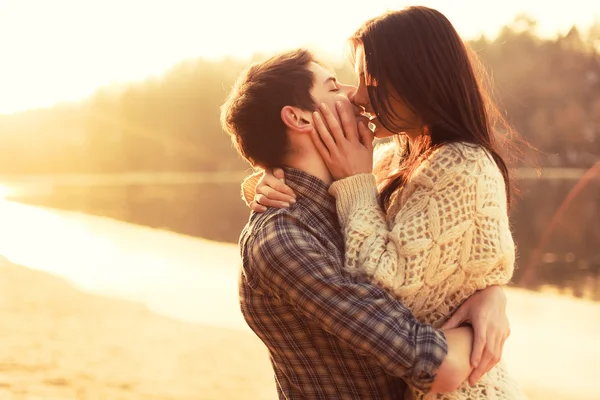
[443, 185]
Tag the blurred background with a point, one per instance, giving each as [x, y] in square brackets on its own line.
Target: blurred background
[119, 192]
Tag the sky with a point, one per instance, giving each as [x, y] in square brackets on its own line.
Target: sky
[63, 50]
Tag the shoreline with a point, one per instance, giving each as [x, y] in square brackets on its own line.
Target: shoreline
[62, 343]
[155, 313]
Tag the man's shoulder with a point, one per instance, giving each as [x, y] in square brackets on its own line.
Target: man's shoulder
[270, 227]
[277, 239]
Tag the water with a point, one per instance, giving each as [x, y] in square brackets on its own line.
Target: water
[201, 205]
[551, 350]
[557, 230]
[209, 206]
[184, 277]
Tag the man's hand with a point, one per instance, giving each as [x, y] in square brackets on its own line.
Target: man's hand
[485, 310]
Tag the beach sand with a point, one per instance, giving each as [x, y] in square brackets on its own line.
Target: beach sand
[59, 343]
[61, 337]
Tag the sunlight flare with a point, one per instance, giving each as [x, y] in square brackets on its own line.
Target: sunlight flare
[65, 50]
[6, 191]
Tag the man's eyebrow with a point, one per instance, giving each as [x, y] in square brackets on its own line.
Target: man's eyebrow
[331, 78]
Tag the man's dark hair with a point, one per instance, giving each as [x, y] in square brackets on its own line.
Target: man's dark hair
[252, 112]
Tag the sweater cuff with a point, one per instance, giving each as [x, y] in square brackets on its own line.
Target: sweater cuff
[248, 189]
[354, 192]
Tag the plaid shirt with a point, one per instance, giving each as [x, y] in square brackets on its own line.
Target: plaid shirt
[328, 336]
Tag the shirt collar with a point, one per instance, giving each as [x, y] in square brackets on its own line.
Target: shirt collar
[311, 187]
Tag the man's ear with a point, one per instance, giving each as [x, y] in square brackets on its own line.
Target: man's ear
[295, 119]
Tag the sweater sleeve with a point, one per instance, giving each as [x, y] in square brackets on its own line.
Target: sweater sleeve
[249, 186]
[453, 220]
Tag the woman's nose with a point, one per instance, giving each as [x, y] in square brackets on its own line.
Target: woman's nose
[358, 99]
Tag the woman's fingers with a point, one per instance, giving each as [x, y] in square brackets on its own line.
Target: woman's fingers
[324, 135]
[275, 181]
[333, 124]
[254, 206]
[269, 197]
[366, 135]
[272, 192]
[348, 120]
[488, 358]
[343, 157]
[279, 174]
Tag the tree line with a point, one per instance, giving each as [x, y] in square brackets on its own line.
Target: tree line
[548, 88]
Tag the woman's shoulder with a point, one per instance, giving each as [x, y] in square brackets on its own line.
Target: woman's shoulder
[463, 150]
[455, 155]
[452, 159]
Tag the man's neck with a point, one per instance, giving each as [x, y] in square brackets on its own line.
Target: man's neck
[311, 164]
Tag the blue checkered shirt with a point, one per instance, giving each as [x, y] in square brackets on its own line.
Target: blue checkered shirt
[328, 336]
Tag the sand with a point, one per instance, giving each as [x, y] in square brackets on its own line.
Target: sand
[176, 332]
[61, 343]
[58, 342]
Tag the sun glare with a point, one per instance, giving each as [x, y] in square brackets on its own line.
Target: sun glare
[67, 49]
[5, 192]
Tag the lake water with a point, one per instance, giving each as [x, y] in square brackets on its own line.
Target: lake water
[558, 247]
[551, 350]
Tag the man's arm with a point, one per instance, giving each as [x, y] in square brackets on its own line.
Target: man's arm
[288, 260]
[456, 366]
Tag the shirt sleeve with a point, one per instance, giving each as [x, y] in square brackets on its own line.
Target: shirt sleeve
[290, 262]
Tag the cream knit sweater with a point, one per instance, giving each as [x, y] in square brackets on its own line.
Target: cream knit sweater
[445, 236]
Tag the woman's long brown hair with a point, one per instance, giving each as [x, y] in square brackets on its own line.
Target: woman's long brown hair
[416, 56]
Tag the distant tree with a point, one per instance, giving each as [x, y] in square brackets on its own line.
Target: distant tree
[548, 89]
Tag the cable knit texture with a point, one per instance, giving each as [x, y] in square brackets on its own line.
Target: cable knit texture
[446, 235]
[248, 189]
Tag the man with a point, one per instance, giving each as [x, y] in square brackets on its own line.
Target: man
[328, 336]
